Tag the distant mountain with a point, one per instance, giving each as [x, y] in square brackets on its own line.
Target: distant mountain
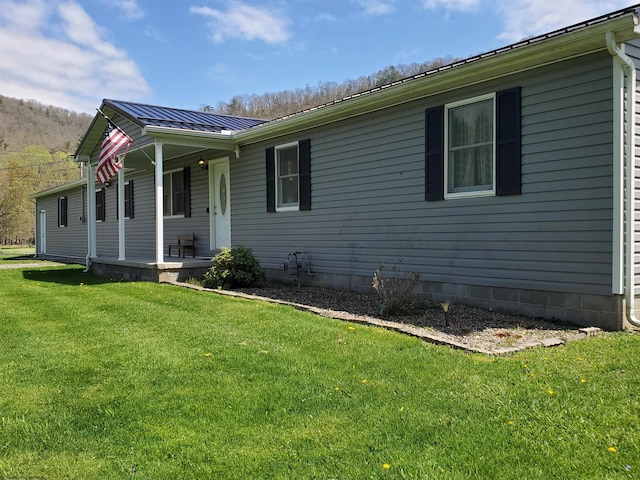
[27, 122]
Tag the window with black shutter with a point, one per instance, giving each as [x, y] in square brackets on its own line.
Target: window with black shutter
[473, 147]
[288, 172]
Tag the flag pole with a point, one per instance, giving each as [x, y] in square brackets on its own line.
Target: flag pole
[113, 124]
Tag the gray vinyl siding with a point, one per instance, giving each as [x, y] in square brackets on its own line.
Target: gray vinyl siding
[368, 204]
[69, 241]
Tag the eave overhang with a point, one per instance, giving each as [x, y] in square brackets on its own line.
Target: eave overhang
[515, 58]
[59, 188]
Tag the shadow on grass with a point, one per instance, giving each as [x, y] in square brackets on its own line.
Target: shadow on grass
[65, 276]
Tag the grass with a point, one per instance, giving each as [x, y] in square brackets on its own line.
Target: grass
[13, 254]
[111, 380]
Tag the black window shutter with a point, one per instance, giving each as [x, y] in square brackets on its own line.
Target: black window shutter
[434, 153]
[270, 162]
[304, 158]
[62, 211]
[187, 192]
[508, 161]
[130, 191]
[100, 206]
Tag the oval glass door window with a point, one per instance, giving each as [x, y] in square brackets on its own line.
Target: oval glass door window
[223, 194]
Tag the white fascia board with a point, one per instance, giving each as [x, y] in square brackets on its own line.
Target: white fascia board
[195, 138]
[495, 64]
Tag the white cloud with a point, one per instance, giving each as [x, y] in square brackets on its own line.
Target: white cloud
[249, 22]
[53, 52]
[130, 8]
[377, 7]
[525, 18]
[452, 5]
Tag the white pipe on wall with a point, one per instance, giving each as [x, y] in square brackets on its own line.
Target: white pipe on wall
[629, 153]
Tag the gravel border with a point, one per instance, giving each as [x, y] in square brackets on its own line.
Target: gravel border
[471, 329]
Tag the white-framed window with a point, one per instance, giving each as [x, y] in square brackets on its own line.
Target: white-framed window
[470, 150]
[287, 177]
[174, 193]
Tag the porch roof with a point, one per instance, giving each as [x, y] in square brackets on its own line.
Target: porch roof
[157, 116]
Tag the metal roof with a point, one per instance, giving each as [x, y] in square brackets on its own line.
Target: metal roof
[151, 115]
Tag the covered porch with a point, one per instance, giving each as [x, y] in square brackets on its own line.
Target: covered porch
[179, 162]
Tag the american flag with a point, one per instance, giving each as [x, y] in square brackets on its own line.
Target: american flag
[110, 162]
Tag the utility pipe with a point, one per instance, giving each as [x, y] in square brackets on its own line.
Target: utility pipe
[630, 70]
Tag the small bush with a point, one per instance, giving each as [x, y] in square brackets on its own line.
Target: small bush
[396, 291]
[234, 268]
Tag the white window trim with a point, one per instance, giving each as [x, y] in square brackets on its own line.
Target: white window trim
[170, 217]
[478, 193]
[289, 208]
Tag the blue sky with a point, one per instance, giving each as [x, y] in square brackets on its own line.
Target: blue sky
[189, 53]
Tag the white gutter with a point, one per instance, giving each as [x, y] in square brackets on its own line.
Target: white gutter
[629, 153]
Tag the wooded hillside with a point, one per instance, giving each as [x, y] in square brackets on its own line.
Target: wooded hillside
[36, 144]
[286, 102]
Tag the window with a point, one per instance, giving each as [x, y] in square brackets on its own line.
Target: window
[128, 200]
[289, 177]
[100, 205]
[62, 211]
[473, 147]
[287, 184]
[470, 152]
[176, 187]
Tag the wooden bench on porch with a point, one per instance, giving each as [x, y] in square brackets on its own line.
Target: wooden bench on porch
[185, 242]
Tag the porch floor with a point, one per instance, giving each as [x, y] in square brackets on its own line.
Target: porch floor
[172, 269]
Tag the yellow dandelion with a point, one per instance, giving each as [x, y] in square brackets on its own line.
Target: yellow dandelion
[510, 422]
[526, 366]
[550, 392]
[386, 466]
[208, 354]
[364, 380]
[583, 380]
[337, 388]
[612, 449]
[351, 327]
[533, 374]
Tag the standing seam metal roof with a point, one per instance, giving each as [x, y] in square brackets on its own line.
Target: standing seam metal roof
[151, 115]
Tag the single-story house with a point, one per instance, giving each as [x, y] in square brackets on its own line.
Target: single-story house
[508, 180]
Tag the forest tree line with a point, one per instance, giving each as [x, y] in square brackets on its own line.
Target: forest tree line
[36, 146]
[279, 104]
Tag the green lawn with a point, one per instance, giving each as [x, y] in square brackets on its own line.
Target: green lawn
[110, 380]
[9, 254]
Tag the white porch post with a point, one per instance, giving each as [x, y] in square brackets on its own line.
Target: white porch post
[121, 244]
[91, 209]
[159, 206]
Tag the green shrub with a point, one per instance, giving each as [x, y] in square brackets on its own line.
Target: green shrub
[234, 268]
[396, 291]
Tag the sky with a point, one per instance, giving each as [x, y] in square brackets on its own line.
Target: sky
[192, 53]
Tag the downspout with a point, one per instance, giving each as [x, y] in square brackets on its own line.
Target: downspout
[628, 153]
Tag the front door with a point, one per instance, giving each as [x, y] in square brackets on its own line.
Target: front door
[42, 244]
[220, 203]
